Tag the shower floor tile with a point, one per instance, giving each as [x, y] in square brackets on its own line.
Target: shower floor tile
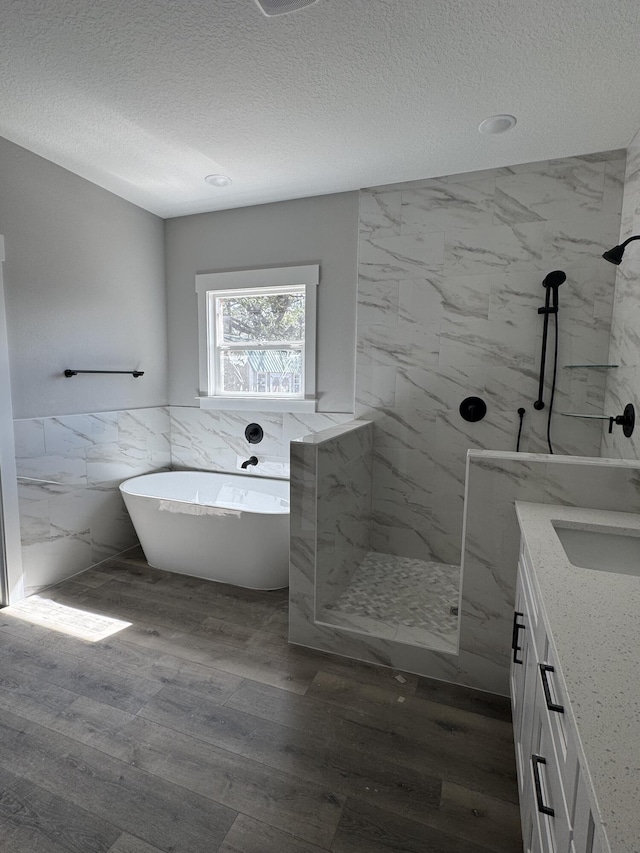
[411, 601]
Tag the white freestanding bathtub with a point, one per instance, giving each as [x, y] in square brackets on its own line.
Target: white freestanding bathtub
[223, 527]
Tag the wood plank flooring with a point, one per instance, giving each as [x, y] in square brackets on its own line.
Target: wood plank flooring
[198, 729]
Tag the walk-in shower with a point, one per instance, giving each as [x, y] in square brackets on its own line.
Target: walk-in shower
[343, 577]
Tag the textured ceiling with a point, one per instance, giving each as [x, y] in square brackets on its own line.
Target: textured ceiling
[146, 97]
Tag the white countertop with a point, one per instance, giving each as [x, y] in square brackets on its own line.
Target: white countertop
[593, 620]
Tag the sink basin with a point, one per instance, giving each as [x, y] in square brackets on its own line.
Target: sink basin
[603, 550]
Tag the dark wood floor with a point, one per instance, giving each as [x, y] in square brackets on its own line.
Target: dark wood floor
[197, 729]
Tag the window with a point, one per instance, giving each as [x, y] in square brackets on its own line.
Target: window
[257, 338]
[257, 341]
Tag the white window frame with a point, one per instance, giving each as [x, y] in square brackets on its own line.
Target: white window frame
[307, 276]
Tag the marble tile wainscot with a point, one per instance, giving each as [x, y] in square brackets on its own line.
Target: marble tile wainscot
[213, 441]
[69, 469]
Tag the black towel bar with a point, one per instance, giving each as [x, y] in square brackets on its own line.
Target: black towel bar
[135, 373]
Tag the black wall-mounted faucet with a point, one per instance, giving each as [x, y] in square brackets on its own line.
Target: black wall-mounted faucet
[252, 460]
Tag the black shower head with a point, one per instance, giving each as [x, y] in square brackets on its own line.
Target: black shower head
[555, 279]
[614, 256]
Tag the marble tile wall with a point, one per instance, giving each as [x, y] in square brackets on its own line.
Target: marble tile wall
[494, 481]
[344, 471]
[623, 383]
[214, 441]
[330, 520]
[69, 469]
[450, 280]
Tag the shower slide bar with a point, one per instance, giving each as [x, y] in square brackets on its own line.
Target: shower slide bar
[135, 373]
[551, 284]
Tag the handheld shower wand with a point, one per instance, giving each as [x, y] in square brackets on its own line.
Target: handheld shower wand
[551, 283]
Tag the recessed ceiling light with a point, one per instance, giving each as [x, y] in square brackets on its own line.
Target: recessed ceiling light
[218, 180]
[281, 7]
[497, 124]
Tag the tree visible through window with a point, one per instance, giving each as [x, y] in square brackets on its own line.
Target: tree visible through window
[258, 341]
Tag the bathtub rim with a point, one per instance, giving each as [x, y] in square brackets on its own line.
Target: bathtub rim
[246, 509]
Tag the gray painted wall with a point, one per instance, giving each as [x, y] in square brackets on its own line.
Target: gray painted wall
[84, 287]
[623, 382]
[320, 230]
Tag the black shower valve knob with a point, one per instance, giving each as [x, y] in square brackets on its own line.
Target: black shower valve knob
[473, 409]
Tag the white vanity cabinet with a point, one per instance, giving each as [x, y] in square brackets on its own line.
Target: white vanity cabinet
[556, 802]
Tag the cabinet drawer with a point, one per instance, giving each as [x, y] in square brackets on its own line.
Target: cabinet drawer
[523, 685]
[587, 838]
[535, 616]
[554, 701]
[554, 825]
[582, 819]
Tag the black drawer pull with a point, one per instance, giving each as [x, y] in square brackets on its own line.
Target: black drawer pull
[544, 669]
[514, 637]
[536, 761]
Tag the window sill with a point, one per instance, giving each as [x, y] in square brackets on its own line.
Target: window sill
[256, 404]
